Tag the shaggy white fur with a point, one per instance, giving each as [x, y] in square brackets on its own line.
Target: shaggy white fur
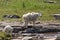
[31, 17]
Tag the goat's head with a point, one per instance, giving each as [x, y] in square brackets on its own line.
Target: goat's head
[38, 14]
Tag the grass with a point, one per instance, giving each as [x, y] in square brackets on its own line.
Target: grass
[19, 7]
[3, 36]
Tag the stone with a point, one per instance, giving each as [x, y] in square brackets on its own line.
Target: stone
[11, 16]
[50, 1]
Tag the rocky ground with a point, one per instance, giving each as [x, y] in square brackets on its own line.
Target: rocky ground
[41, 25]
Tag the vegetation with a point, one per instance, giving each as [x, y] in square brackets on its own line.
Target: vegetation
[19, 7]
[4, 36]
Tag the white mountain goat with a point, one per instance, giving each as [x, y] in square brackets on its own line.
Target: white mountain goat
[31, 17]
[8, 29]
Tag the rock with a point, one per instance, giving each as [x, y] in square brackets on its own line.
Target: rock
[38, 22]
[35, 30]
[56, 16]
[50, 1]
[11, 16]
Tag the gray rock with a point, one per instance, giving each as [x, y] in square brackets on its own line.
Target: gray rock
[50, 1]
[11, 16]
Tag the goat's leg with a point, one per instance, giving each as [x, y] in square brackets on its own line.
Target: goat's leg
[26, 24]
[33, 23]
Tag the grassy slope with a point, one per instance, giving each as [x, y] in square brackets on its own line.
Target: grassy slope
[19, 7]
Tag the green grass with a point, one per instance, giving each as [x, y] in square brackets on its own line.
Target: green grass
[19, 7]
[3, 36]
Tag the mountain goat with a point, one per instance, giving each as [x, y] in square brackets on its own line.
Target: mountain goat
[31, 17]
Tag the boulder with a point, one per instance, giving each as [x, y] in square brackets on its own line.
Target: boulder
[11, 16]
[50, 1]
